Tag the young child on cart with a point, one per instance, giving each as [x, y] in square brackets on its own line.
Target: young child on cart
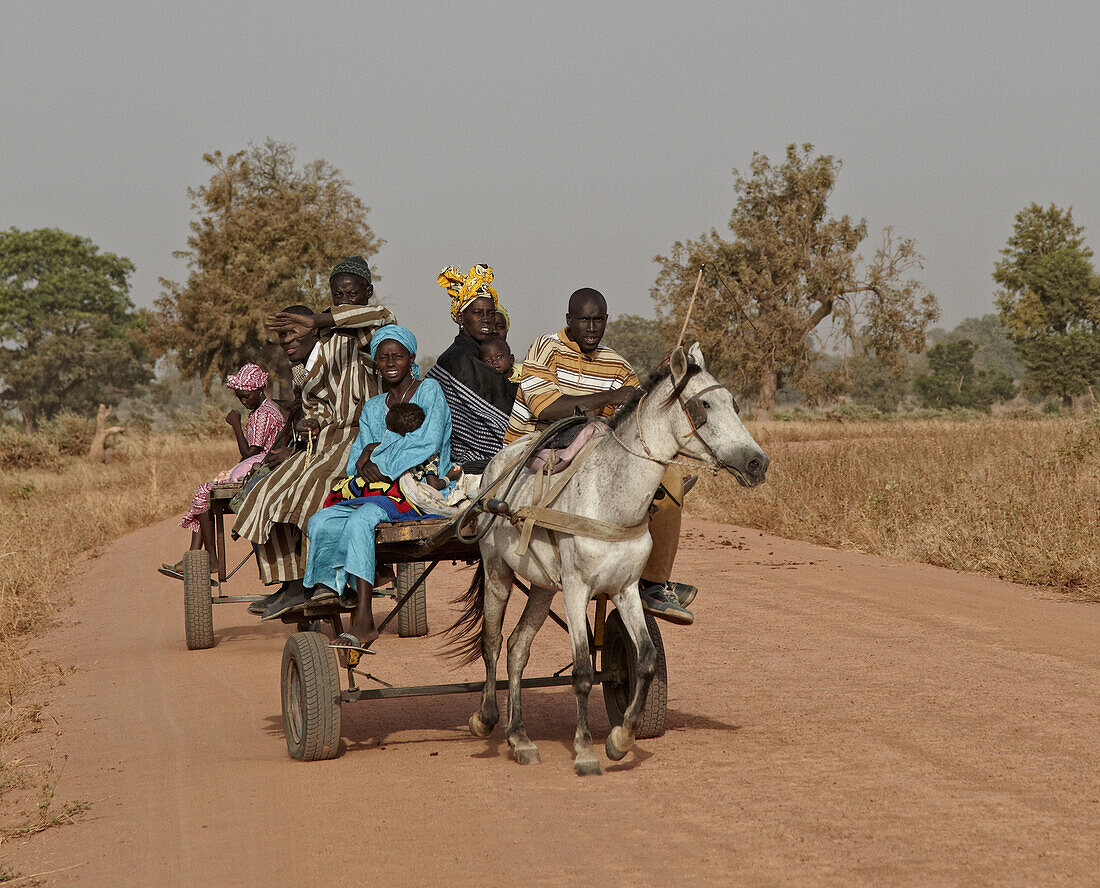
[254, 439]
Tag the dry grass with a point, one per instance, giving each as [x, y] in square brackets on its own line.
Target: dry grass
[1017, 498]
[53, 518]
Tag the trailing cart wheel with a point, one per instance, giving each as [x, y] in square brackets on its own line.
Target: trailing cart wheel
[198, 617]
[311, 698]
[620, 661]
[412, 619]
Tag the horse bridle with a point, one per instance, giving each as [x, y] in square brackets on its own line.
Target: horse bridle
[696, 414]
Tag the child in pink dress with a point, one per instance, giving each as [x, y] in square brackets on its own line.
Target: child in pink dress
[265, 422]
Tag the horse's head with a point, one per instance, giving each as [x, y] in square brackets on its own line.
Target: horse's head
[708, 424]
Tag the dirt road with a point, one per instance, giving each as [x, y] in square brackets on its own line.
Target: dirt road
[834, 719]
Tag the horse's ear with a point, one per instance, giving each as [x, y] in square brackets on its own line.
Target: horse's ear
[678, 363]
[696, 354]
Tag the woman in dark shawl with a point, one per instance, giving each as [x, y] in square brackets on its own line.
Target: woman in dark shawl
[480, 398]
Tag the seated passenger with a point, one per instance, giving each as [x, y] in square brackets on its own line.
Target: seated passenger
[265, 424]
[503, 325]
[495, 352]
[569, 372]
[273, 512]
[341, 537]
[480, 399]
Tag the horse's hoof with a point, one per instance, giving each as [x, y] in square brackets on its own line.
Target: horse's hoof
[586, 767]
[478, 728]
[528, 755]
[616, 745]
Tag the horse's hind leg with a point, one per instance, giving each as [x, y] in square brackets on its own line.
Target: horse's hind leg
[498, 586]
[621, 739]
[576, 614]
[519, 650]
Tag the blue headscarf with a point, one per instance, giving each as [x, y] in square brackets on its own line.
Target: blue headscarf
[397, 333]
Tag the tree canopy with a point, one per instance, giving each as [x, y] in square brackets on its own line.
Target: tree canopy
[1050, 301]
[953, 381]
[788, 267]
[637, 339]
[69, 334]
[266, 236]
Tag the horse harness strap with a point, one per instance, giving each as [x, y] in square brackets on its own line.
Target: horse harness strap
[540, 515]
[564, 522]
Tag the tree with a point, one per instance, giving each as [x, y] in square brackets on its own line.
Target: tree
[637, 339]
[952, 380]
[266, 236]
[996, 352]
[872, 382]
[69, 334]
[1050, 302]
[788, 268]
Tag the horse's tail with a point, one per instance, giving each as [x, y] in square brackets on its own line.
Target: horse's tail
[465, 632]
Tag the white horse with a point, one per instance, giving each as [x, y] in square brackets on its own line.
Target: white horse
[685, 412]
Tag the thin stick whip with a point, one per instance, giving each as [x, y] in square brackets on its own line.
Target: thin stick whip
[691, 305]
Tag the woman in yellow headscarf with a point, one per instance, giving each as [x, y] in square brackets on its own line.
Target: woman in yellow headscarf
[480, 398]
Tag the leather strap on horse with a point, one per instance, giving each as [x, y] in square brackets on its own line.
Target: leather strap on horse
[539, 515]
[564, 522]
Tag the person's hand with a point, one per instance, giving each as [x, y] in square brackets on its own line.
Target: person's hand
[233, 417]
[620, 396]
[275, 457]
[308, 426]
[367, 470]
[290, 324]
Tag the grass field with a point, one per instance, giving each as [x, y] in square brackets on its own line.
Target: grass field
[1015, 497]
[55, 517]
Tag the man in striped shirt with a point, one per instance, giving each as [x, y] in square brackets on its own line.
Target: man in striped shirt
[570, 371]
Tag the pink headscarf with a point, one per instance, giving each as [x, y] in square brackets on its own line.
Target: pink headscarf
[249, 378]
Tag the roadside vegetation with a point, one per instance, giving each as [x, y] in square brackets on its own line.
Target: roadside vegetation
[58, 510]
[1015, 497]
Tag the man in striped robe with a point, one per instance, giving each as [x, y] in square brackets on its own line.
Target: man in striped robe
[340, 381]
[569, 371]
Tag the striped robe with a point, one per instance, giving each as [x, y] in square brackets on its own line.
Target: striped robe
[333, 393]
[555, 366]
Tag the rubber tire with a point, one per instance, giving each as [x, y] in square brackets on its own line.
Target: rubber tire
[310, 688]
[412, 619]
[618, 650]
[198, 612]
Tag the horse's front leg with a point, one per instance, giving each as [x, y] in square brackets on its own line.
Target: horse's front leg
[497, 579]
[519, 651]
[621, 739]
[576, 615]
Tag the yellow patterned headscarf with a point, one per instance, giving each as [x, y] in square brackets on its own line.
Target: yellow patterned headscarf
[465, 288]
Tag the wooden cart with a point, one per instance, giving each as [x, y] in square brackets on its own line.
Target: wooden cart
[200, 592]
[313, 691]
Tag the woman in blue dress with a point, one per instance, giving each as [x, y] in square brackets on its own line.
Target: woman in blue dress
[341, 537]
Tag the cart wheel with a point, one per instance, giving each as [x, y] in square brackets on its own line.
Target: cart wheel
[311, 698]
[412, 619]
[198, 617]
[619, 659]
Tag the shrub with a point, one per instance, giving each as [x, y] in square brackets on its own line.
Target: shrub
[19, 450]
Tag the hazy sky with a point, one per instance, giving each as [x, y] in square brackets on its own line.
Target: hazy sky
[564, 143]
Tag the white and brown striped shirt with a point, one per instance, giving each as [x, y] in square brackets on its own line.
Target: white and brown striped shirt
[556, 366]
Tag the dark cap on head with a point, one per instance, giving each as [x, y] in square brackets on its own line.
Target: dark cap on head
[355, 265]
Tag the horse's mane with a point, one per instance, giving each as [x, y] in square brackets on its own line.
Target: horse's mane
[630, 407]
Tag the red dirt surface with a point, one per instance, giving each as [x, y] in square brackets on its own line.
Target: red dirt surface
[834, 719]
